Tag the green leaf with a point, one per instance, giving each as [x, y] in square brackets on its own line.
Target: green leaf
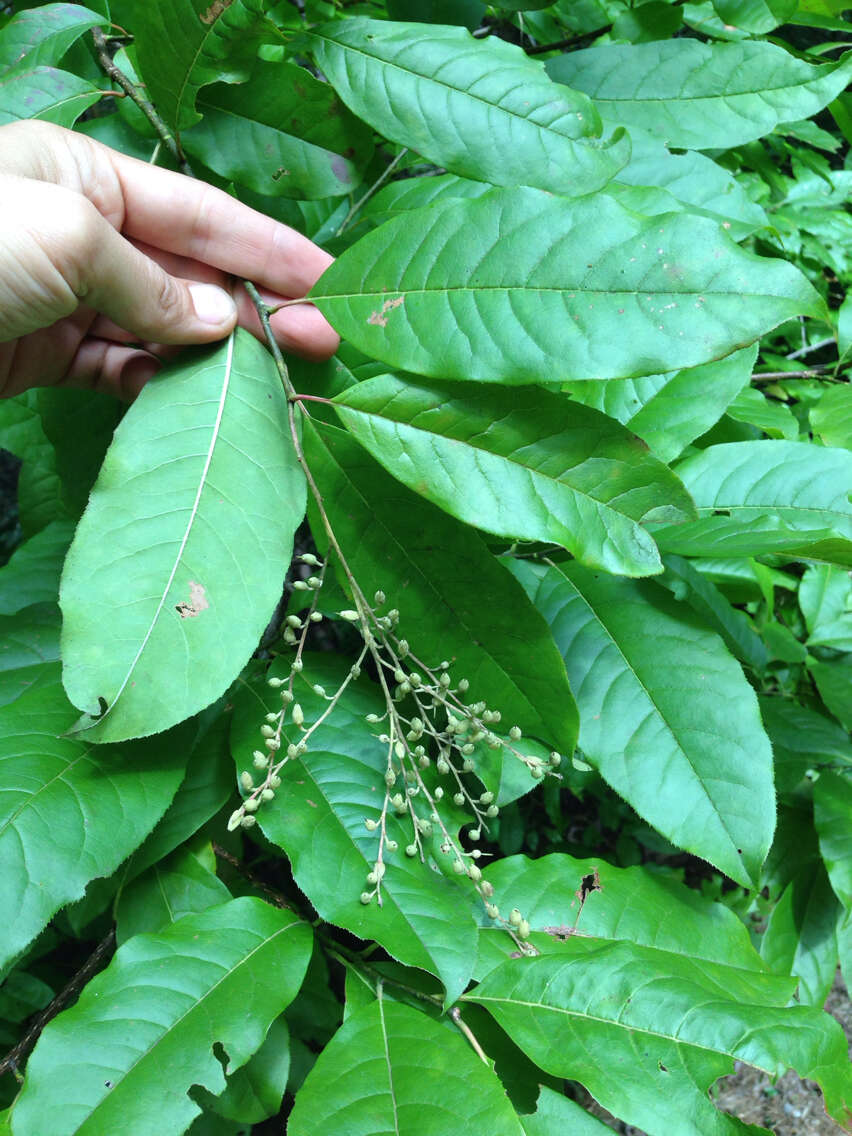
[755, 16]
[143, 1032]
[520, 463]
[802, 739]
[71, 811]
[635, 905]
[693, 181]
[556, 1113]
[205, 788]
[79, 424]
[392, 1069]
[199, 446]
[29, 649]
[181, 45]
[318, 817]
[31, 575]
[766, 496]
[687, 584]
[179, 885]
[666, 715]
[833, 819]
[775, 419]
[482, 110]
[800, 937]
[831, 418]
[520, 286]
[825, 597]
[416, 193]
[255, 1091]
[456, 601]
[39, 489]
[45, 93]
[623, 1020]
[669, 411]
[281, 133]
[834, 682]
[701, 96]
[40, 37]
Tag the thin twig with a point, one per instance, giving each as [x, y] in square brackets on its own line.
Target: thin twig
[135, 93]
[374, 188]
[276, 897]
[69, 993]
[809, 347]
[571, 41]
[813, 373]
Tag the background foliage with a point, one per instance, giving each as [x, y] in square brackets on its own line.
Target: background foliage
[537, 772]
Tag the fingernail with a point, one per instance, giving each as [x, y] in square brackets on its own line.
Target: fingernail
[212, 305]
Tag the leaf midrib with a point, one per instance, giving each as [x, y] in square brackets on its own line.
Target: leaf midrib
[202, 483]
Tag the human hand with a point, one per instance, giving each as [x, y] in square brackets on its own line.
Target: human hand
[101, 253]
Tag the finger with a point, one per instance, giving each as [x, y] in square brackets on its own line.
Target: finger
[130, 288]
[199, 221]
[105, 366]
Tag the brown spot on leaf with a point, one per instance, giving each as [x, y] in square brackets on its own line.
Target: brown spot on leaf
[214, 11]
[379, 319]
[198, 602]
[561, 933]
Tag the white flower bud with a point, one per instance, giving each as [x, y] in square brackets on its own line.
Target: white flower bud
[246, 780]
[349, 615]
[298, 714]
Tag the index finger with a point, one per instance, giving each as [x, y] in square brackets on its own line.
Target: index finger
[194, 219]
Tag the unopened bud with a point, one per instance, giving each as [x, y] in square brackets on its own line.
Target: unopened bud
[515, 917]
[523, 929]
[248, 822]
[492, 911]
[380, 597]
[246, 780]
[298, 714]
[349, 615]
[235, 820]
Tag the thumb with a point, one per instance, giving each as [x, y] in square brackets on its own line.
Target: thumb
[132, 290]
